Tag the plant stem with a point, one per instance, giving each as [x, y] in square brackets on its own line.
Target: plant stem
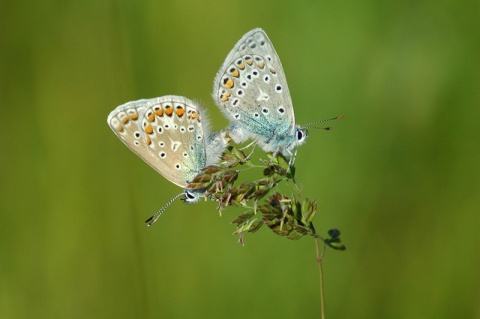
[320, 271]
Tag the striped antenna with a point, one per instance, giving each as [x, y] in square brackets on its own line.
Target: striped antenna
[154, 218]
[322, 121]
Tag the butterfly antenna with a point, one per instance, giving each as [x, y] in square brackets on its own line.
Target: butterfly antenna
[323, 121]
[154, 218]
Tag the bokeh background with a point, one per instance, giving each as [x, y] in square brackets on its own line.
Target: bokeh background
[399, 176]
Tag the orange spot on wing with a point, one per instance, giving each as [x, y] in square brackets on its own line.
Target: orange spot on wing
[159, 112]
[261, 65]
[134, 117]
[241, 66]
[235, 73]
[180, 111]
[151, 117]
[148, 140]
[225, 96]
[125, 120]
[168, 110]
[148, 129]
[119, 128]
[272, 70]
[229, 83]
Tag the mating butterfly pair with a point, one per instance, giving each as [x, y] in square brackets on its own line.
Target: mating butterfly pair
[172, 134]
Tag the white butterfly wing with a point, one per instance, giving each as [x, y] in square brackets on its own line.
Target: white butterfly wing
[252, 90]
[166, 132]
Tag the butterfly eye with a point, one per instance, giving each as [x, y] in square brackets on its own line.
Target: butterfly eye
[189, 195]
[300, 135]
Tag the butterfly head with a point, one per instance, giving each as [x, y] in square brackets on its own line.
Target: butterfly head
[192, 196]
[299, 137]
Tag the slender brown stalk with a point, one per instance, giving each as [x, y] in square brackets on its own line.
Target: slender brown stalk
[320, 272]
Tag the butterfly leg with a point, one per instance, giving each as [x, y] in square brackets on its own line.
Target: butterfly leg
[292, 157]
[253, 149]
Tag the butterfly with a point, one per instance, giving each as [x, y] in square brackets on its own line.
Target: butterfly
[172, 135]
[251, 89]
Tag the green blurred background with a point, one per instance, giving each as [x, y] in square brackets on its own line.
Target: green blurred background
[399, 176]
